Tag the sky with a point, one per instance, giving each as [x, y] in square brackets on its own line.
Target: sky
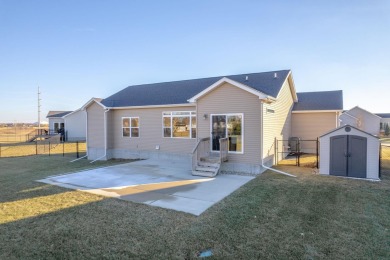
[76, 50]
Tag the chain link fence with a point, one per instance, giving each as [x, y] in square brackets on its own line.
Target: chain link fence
[297, 152]
[50, 147]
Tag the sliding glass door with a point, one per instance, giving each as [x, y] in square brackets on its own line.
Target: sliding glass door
[218, 131]
[228, 125]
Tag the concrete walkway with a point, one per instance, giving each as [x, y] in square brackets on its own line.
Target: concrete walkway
[166, 184]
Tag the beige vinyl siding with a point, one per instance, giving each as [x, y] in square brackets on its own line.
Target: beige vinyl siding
[95, 126]
[150, 131]
[227, 99]
[277, 124]
[309, 126]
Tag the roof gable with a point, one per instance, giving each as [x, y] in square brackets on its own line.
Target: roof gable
[179, 92]
[231, 82]
[319, 101]
[91, 101]
[355, 111]
[344, 126]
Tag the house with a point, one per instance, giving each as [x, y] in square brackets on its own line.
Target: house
[56, 120]
[361, 119]
[73, 123]
[385, 119]
[174, 119]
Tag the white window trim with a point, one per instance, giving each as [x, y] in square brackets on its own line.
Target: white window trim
[242, 131]
[191, 114]
[131, 117]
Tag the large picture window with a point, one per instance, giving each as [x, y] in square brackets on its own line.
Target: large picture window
[179, 124]
[130, 126]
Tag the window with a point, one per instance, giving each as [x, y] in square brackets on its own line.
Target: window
[130, 126]
[179, 124]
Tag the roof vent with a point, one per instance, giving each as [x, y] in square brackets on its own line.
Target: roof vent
[275, 75]
[246, 78]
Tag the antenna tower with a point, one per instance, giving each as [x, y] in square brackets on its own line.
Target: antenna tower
[39, 108]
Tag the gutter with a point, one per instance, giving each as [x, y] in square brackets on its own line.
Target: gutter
[105, 137]
[262, 143]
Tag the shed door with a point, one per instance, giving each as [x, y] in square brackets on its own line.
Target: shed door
[357, 157]
[348, 156]
[338, 151]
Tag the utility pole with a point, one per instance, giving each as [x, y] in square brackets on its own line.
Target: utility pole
[39, 109]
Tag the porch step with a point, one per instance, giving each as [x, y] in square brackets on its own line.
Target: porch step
[208, 164]
[213, 160]
[206, 168]
[204, 174]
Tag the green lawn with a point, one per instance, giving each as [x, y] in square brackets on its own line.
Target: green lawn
[273, 216]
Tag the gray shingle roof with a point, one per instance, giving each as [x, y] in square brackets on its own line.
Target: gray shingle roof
[178, 92]
[53, 114]
[321, 100]
[383, 115]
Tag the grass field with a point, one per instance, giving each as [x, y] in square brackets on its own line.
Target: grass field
[15, 135]
[44, 147]
[273, 216]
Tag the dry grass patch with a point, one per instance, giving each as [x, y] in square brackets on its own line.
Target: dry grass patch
[305, 160]
[42, 148]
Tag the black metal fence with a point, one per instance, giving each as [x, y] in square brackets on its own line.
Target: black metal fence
[50, 147]
[297, 152]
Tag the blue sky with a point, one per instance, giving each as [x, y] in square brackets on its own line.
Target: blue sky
[75, 50]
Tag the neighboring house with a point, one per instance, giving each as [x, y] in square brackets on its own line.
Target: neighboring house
[361, 119]
[56, 120]
[73, 123]
[385, 119]
[314, 114]
[167, 120]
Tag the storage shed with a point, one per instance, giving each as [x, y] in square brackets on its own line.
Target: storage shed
[349, 152]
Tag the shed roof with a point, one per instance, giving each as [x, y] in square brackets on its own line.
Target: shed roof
[178, 92]
[57, 114]
[383, 115]
[321, 100]
[344, 126]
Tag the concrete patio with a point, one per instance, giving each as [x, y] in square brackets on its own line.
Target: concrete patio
[161, 183]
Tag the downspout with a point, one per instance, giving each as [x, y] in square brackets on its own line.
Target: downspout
[105, 136]
[262, 144]
[86, 131]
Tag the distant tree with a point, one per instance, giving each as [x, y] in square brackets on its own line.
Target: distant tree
[387, 130]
